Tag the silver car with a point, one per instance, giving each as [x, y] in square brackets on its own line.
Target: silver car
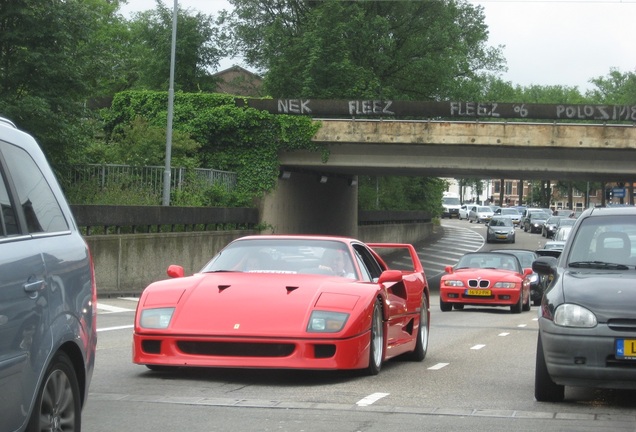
[47, 295]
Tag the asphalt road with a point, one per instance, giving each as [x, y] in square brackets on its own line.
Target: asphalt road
[478, 376]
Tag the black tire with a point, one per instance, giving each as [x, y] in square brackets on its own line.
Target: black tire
[445, 306]
[545, 390]
[421, 345]
[58, 405]
[517, 308]
[376, 342]
[526, 305]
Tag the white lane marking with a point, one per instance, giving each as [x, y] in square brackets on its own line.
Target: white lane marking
[522, 325]
[438, 366]
[503, 334]
[114, 328]
[477, 347]
[134, 299]
[109, 308]
[371, 399]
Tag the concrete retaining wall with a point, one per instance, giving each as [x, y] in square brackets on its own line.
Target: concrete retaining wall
[126, 264]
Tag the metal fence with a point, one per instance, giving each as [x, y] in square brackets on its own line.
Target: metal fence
[150, 177]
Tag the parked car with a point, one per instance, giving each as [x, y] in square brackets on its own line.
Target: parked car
[47, 295]
[538, 283]
[586, 321]
[511, 213]
[485, 279]
[479, 214]
[500, 229]
[463, 212]
[300, 302]
[550, 226]
[534, 222]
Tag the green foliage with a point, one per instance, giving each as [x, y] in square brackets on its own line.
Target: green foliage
[125, 191]
[407, 50]
[229, 138]
[48, 58]
[198, 50]
[401, 193]
[616, 88]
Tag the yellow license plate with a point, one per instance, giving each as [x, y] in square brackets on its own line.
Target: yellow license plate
[626, 349]
[478, 292]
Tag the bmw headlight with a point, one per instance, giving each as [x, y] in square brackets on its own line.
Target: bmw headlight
[326, 322]
[505, 285]
[156, 318]
[571, 315]
[453, 283]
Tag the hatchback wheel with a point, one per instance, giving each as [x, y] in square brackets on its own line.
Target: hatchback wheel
[57, 406]
[545, 390]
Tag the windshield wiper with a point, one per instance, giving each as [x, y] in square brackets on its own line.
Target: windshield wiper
[598, 265]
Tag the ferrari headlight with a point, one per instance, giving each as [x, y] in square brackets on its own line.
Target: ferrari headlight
[571, 315]
[453, 283]
[326, 322]
[505, 285]
[156, 318]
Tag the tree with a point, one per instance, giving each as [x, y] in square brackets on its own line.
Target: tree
[373, 49]
[197, 50]
[616, 88]
[48, 68]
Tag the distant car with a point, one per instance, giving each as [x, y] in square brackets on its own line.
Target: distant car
[538, 283]
[479, 214]
[559, 239]
[568, 221]
[534, 222]
[463, 212]
[511, 213]
[550, 226]
[525, 214]
[48, 297]
[287, 302]
[500, 229]
[587, 335]
[485, 279]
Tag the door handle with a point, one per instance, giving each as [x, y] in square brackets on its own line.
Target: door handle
[34, 287]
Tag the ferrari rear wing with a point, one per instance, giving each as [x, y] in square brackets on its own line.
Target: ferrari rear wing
[398, 256]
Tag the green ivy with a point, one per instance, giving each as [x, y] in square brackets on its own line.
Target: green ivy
[240, 139]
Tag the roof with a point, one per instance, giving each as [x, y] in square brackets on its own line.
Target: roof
[238, 81]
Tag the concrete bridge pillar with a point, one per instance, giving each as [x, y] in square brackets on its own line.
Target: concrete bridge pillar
[308, 203]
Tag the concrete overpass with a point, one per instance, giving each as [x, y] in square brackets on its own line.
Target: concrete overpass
[555, 151]
[383, 145]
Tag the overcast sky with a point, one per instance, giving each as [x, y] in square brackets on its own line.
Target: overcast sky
[547, 42]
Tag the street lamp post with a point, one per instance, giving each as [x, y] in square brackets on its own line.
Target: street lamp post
[166, 172]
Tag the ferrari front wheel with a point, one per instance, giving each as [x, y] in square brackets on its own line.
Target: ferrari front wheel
[421, 344]
[376, 340]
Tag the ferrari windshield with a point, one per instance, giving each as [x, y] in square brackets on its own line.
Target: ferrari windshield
[284, 256]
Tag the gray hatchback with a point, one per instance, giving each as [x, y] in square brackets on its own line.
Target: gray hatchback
[587, 320]
[47, 295]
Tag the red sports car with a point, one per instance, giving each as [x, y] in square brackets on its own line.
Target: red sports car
[306, 302]
[485, 279]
